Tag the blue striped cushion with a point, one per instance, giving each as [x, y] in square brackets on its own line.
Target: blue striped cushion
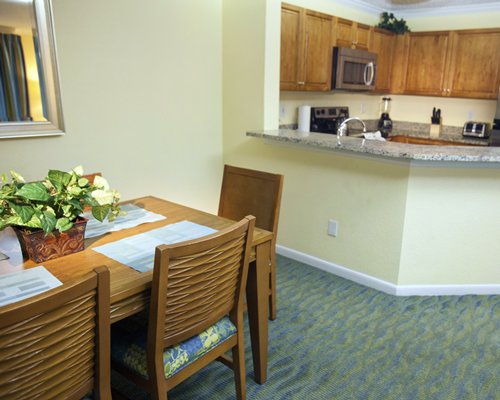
[128, 346]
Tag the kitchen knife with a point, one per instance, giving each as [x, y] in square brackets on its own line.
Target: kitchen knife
[434, 119]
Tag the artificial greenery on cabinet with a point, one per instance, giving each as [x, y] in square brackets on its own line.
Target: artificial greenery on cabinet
[389, 22]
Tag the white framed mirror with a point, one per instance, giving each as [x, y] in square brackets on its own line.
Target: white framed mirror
[30, 97]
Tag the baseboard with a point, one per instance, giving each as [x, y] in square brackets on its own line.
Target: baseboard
[384, 286]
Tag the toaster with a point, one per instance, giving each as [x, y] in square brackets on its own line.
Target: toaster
[476, 129]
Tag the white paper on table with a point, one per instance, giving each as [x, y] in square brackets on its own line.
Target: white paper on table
[138, 251]
[135, 216]
[27, 283]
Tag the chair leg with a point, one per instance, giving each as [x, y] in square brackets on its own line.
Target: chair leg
[239, 368]
[272, 286]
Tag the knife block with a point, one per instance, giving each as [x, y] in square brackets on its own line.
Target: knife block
[435, 130]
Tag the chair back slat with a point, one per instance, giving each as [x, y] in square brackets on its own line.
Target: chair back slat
[48, 344]
[250, 192]
[202, 280]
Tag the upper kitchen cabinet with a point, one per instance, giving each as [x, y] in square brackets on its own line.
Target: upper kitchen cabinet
[352, 34]
[428, 59]
[382, 43]
[306, 49]
[464, 63]
[474, 64]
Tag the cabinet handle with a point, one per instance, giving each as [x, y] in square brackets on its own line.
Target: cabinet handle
[301, 83]
[305, 58]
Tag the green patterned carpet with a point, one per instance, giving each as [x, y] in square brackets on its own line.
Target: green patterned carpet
[335, 339]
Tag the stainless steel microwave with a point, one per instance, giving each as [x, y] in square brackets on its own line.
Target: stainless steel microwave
[353, 69]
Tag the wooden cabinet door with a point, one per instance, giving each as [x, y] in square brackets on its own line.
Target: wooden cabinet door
[361, 36]
[475, 64]
[318, 51]
[399, 63]
[291, 45]
[428, 58]
[382, 43]
[352, 34]
[306, 49]
[343, 33]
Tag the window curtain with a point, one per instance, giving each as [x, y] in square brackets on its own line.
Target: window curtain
[14, 101]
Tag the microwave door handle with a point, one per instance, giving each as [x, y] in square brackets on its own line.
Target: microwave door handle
[369, 67]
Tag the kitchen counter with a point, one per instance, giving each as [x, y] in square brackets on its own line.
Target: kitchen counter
[477, 152]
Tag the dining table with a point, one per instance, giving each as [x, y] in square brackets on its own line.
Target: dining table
[130, 289]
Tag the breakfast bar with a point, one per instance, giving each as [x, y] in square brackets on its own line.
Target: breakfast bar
[472, 152]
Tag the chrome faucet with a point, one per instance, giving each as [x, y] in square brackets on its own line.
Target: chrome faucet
[341, 131]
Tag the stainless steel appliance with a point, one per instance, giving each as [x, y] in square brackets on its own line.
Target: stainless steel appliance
[327, 119]
[353, 69]
[476, 129]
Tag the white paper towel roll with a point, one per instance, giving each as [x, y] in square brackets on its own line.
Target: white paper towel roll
[304, 118]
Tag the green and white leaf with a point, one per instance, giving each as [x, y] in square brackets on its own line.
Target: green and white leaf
[63, 224]
[100, 212]
[48, 222]
[34, 191]
[24, 211]
[59, 179]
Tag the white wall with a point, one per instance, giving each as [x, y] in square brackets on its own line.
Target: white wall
[142, 98]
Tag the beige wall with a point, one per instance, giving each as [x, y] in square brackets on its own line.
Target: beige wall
[144, 92]
[365, 196]
[397, 221]
[403, 108]
[451, 230]
[142, 98]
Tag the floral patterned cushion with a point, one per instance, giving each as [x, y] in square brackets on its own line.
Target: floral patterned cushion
[128, 345]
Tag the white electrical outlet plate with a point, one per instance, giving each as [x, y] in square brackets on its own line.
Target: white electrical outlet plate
[282, 110]
[333, 227]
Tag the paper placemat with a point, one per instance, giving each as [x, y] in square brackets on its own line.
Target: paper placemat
[135, 216]
[27, 283]
[138, 251]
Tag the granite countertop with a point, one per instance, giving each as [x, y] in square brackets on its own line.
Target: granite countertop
[478, 152]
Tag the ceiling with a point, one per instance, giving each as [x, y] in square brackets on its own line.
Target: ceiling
[402, 7]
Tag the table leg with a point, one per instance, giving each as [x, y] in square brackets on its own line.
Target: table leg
[258, 309]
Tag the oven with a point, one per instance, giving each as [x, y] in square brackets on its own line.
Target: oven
[327, 119]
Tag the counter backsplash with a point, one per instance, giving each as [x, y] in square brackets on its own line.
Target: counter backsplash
[401, 126]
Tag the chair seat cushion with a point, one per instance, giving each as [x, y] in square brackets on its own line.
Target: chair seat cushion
[128, 345]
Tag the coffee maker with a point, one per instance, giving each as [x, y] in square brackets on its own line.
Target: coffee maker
[495, 132]
[385, 122]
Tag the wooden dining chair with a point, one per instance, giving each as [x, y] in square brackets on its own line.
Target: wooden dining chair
[195, 314]
[246, 191]
[56, 345]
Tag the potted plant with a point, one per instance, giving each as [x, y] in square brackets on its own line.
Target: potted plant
[389, 22]
[46, 215]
